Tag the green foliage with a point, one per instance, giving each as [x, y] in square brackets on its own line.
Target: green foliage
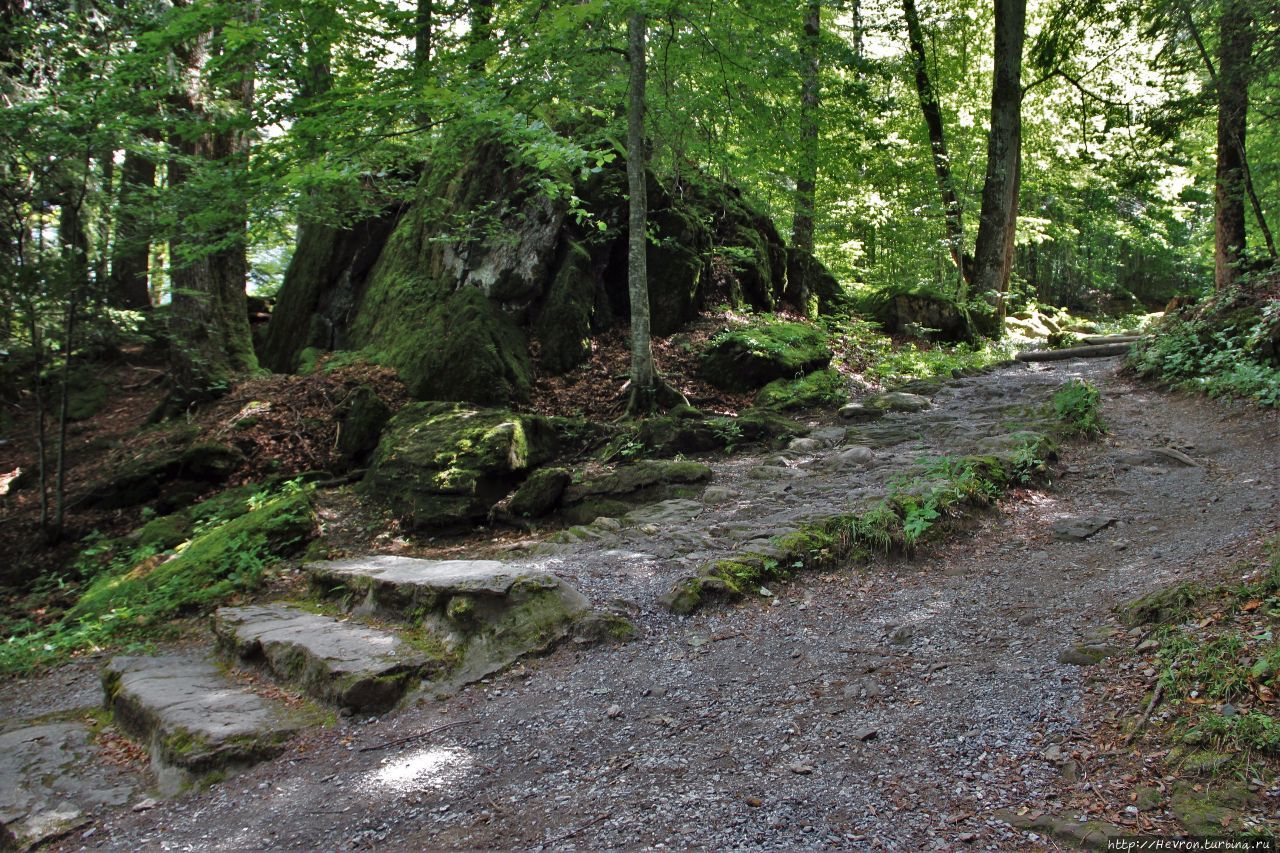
[1232, 356]
[820, 388]
[133, 590]
[1078, 405]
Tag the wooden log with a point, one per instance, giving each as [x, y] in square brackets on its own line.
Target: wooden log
[1109, 339]
[1096, 351]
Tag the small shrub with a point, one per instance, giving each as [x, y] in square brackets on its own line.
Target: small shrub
[1079, 406]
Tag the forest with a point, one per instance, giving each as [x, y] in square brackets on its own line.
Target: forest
[288, 282]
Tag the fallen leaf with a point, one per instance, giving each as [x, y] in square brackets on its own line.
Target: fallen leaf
[1251, 605]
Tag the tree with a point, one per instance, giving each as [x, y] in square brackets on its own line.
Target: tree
[211, 342]
[807, 165]
[932, 110]
[997, 224]
[1235, 50]
[647, 390]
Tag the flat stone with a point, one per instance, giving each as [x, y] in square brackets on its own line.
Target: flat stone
[664, 512]
[805, 445]
[1089, 654]
[1080, 529]
[486, 613]
[340, 662]
[52, 777]
[900, 401]
[855, 456]
[715, 495]
[860, 412]
[193, 720]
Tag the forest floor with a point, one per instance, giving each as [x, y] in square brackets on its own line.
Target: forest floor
[905, 704]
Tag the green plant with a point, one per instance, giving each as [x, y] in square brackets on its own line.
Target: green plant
[1078, 405]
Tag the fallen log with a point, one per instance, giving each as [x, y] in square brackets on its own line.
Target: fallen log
[1095, 351]
[1092, 340]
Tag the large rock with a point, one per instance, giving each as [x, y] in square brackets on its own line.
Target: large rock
[484, 613]
[139, 479]
[448, 288]
[748, 358]
[446, 464]
[194, 722]
[340, 662]
[52, 777]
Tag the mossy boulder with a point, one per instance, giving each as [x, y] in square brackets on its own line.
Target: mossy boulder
[86, 394]
[141, 478]
[1211, 810]
[541, 493]
[626, 480]
[820, 388]
[220, 561]
[361, 418]
[811, 286]
[447, 464]
[161, 534]
[563, 327]
[749, 358]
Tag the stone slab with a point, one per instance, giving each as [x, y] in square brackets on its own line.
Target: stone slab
[194, 720]
[52, 777]
[341, 662]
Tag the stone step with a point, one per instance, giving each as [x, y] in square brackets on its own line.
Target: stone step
[340, 662]
[195, 722]
[487, 613]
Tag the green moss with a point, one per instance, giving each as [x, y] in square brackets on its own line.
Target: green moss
[161, 534]
[217, 563]
[820, 388]
[747, 358]
[540, 493]
[563, 326]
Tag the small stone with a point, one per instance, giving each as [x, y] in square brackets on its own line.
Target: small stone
[614, 712]
[145, 805]
[968, 837]
[860, 412]
[801, 769]
[755, 802]
[1053, 753]
[866, 734]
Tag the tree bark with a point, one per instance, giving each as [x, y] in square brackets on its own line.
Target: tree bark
[932, 110]
[1235, 47]
[993, 254]
[131, 250]
[807, 167]
[480, 36]
[643, 374]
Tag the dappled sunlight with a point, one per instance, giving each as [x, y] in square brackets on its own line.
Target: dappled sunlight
[420, 770]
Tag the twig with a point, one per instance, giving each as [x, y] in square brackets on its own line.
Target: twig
[412, 737]
[1142, 721]
[571, 833]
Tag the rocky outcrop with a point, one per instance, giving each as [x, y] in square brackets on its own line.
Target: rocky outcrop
[447, 464]
[749, 358]
[453, 288]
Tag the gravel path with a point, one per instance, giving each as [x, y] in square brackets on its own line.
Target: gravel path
[897, 705]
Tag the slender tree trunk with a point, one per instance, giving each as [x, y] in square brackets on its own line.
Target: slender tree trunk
[643, 374]
[993, 255]
[60, 483]
[132, 248]
[932, 110]
[807, 166]
[423, 43]
[1235, 46]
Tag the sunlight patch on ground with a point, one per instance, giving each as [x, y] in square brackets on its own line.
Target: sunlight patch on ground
[419, 770]
[6, 479]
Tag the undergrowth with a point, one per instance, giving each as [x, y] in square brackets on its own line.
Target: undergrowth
[1078, 405]
[133, 586]
[1223, 354]
[1220, 664]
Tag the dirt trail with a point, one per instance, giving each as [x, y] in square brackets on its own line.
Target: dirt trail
[900, 704]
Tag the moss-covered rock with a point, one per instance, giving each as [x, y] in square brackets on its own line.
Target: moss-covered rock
[360, 421]
[748, 358]
[1208, 811]
[161, 534]
[540, 494]
[820, 388]
[447, 464]
[629, 479]
[810, 285]
[87, 394]
[140, 479]
[225, 559]
[563, 326]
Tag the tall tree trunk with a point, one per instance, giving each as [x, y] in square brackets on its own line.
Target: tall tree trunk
[1235, 47]
[131, 250]
[1245, 172]
[643, 374]
[423, 43]
[209, 327]
[993, 254]
[807, 166]
[932, 110]
[480, 34]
